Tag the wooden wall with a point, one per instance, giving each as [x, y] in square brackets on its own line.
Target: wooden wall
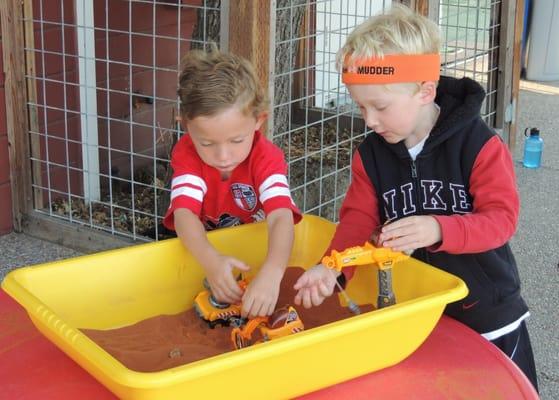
[5, 189]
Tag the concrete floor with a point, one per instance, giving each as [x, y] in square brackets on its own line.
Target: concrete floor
[536, 243]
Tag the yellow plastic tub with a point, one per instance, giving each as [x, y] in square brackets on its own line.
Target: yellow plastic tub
[121, 287]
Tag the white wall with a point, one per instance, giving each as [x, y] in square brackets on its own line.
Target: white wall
[335, 19]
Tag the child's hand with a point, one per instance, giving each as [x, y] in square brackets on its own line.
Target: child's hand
[224, 285]
[315, 285]
[410, 233]
[262, 293]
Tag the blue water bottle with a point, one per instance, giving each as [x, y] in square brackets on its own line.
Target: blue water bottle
[533, 146]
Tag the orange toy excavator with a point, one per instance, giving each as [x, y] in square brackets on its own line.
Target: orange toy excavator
[363, 255]
[384, 257]
[283, 322]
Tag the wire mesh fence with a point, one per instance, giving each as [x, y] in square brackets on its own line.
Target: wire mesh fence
[315, 122]
[470, 31]
[105, 80]
[104, 106]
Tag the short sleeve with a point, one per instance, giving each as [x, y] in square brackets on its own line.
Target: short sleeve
[188, 187]
[270, 177]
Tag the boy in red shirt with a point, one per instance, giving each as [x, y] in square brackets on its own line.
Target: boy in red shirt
[226, 173]
[433, 175]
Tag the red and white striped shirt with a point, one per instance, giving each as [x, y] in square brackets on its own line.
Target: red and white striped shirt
[255, 188]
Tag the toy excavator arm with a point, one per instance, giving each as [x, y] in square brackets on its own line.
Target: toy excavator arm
[363, 255]
[241, 336]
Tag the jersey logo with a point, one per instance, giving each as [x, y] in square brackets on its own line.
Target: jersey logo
[244, 196]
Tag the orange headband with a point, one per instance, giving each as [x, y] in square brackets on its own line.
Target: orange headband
[395, 68]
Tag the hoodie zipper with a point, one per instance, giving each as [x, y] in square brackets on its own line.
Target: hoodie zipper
[413, 169]
[415, 177]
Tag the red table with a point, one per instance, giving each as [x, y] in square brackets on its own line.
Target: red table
[453, 363]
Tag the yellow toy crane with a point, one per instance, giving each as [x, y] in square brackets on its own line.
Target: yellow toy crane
[383, 257]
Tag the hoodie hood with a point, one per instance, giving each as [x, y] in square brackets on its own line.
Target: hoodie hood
[460, 102]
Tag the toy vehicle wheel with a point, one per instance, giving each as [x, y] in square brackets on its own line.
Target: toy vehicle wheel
[237, 321]
[218, 322]
[217, 304]
[213, 324]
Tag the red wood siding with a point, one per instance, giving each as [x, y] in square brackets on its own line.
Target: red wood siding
[57, 80]
[122, 38]
[147, 55]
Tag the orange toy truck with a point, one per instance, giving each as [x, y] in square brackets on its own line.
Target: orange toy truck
[216, 313]
[283, 322]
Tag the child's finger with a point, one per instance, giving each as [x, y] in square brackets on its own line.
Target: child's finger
[246, 309]
[233, 290]
[232, 299]
[393, 230]
[316, 298]
[223, 296]
[301, 282]
[393, 238]
[255, 310]
[397, 224]
[239, 265]
[260, 308]
[306, 297]
[297, 298]
[324, 289]
[300, 296]
[331, 278]
[265, 309]
[269, 309]
[403, 243]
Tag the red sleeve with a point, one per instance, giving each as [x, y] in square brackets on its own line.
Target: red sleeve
[495, 205]
[188, 188]
[359, 215]
[269, 170]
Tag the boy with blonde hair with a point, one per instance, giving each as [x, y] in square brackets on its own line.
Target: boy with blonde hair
[225, 173]
[433, 175]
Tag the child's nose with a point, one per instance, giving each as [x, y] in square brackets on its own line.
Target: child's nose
[371, 119]
[222, 153]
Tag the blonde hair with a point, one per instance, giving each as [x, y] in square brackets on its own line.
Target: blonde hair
[212, 81]
[397, 31]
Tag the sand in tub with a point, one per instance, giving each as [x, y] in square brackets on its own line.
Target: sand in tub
[167, 341]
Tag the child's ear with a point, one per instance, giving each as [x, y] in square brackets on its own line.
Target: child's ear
[260, 119]
[428, 91]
